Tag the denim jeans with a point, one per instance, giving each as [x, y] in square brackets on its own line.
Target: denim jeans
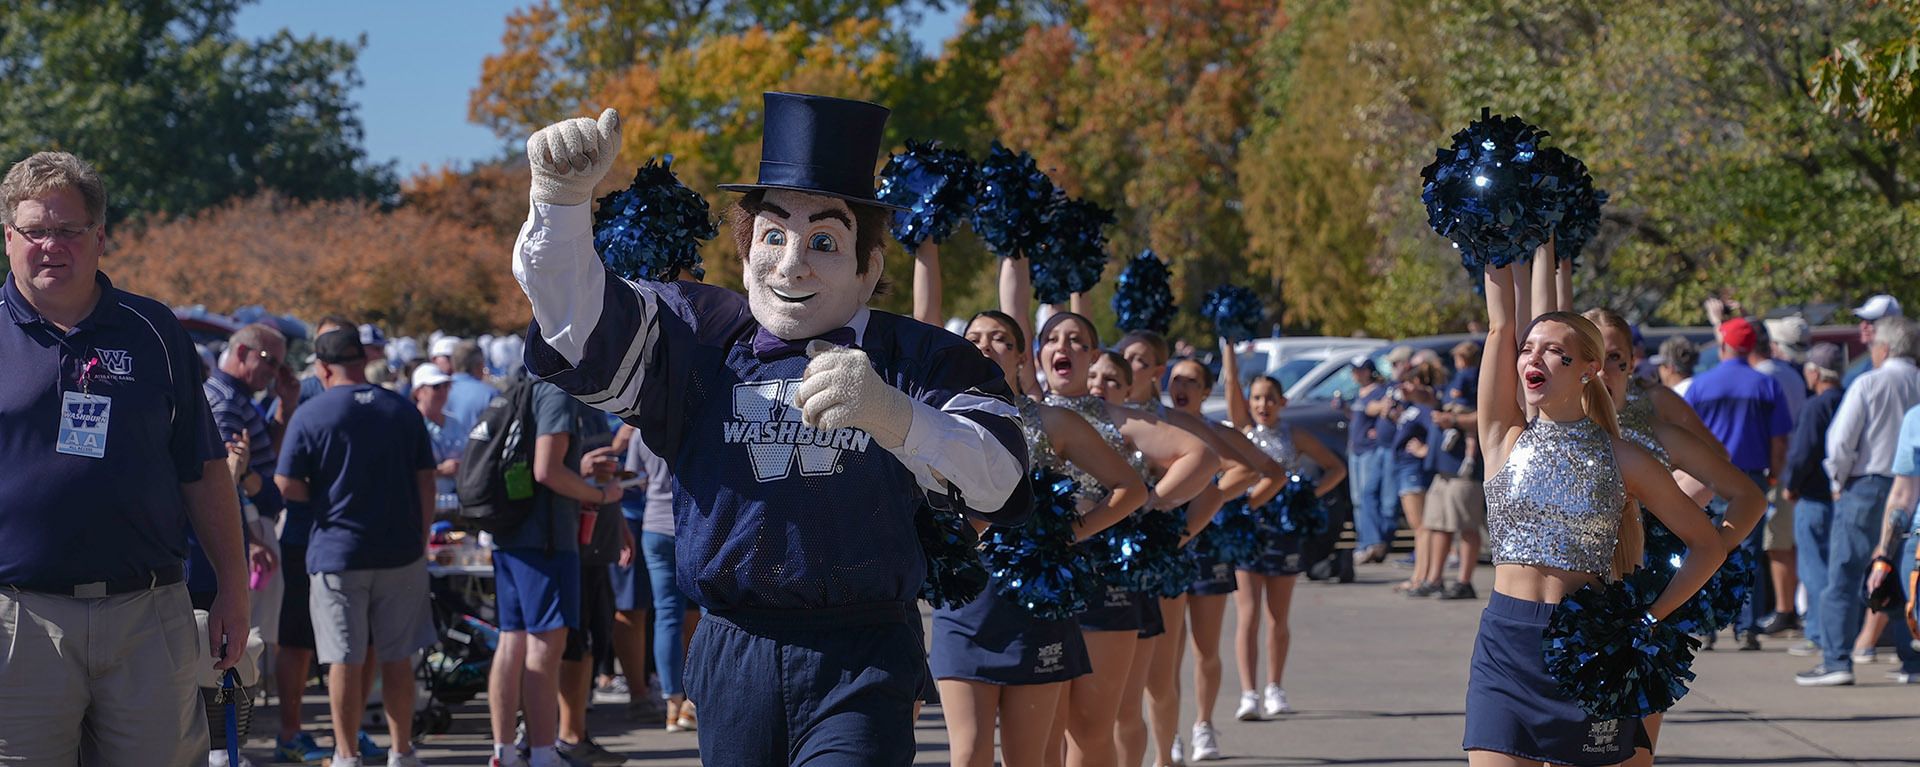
[1812, 521]
[669, 610]
[1897, 628]
[1856, 530]
[1376, 500]
[1760, 598]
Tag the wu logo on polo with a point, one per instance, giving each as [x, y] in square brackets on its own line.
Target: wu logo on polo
[117, 361]
[83, 424]
[777, 443]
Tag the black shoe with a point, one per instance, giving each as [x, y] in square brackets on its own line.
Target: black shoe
[1424, 589]
[1747, 640]
[1778, 623]
[1459, 590]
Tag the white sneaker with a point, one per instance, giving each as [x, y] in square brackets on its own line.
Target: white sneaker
[397, 759]
[218, 758]
[1275, 702]
[1206, 745]
[1177, 755]
[345, 761]
[1249, 709]
[1864, 657]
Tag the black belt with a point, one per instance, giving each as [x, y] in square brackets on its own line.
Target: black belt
[160, 576]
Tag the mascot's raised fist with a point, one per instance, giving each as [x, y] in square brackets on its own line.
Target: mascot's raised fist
[571, 156]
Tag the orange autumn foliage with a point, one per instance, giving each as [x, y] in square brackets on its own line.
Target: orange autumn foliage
[407, 269]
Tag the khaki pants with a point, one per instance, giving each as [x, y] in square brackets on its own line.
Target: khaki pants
[106, 682]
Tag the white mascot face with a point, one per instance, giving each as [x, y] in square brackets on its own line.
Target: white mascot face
[802, 273]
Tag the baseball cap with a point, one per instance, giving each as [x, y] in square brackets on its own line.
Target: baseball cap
[1878, 306]
[1790, 334]
[429, 375]
[371, 336]
[1737, 334]
[1399, 354]
[443, 347]
[339, 347]
[1827, 357]
[1360, 361]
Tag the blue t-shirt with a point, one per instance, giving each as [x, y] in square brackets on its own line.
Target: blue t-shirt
[1415, 422]
[1743, 408]
[466, 400]
[1362, 431]
[556, 412]
[1906, 453]
[1463, 389]
[360, 449]
[90, 491]
[448, 444]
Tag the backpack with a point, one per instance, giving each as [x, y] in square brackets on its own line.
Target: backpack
[495, 482]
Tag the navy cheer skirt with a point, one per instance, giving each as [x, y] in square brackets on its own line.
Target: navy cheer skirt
[1281, 557]
[993, 640]
[1216, 577]
[1512, 706]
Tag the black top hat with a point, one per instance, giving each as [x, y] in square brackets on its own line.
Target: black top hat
[819, 145]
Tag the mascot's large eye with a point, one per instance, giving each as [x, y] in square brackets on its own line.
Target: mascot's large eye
[823, 243]
[774, 237]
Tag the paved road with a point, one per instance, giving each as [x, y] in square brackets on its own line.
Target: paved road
[1379, 679]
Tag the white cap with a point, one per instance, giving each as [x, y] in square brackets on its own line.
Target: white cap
[1789, 332]
[429, 375]
[1879, 306]
[443, 347]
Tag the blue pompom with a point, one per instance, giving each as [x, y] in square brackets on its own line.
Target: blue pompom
[1143, 295]
[1073, 253]
[1295, 511]
[937, 188]
[1142, 553]
[652, 229]
[1610, 657]
[1011, 204]
[1036, 565]
[1579, 205]
[1486, 192]
[954, 573]
[1235, 311]
[1235, 536]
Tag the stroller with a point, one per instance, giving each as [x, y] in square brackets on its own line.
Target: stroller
[455, 668]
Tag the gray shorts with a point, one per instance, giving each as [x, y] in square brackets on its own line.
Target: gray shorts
[385, 609]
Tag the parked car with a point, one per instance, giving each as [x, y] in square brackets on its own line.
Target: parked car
[1287, 360]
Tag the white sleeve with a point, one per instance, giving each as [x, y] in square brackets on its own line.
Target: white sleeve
[555, 263]
[945, 449]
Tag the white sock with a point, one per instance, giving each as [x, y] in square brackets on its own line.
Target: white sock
[504, 752]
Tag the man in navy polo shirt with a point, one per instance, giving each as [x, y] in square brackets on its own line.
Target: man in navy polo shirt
[360, 454]
[1745, 409]
[110, 454]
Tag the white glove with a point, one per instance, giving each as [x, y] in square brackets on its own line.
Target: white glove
[571, 156]
[841, 390]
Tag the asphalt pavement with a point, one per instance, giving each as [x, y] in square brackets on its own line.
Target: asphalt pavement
[1377, 678]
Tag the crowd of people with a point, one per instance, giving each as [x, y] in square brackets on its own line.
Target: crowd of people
[291, 512]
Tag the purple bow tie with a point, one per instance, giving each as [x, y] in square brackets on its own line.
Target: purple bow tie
[768, 347]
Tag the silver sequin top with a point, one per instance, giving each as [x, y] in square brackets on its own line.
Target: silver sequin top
[1557, 502]
[1094, 410]
[1277, 443]
[1636, 424]
[1138, 459]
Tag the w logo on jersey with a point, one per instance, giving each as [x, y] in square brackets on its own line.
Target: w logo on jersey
[117, 361]
[769, 425]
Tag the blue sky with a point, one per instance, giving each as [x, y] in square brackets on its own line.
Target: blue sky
[421, 59]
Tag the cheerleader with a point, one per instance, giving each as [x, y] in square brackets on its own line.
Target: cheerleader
[995, 662]
[1069, 348]
[1675, 448]
[1556, 489]
[1269, 581]
[1206, 600]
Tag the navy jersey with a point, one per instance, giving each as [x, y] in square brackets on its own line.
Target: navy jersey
[768, 512]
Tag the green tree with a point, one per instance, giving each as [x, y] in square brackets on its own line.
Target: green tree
[1875, 83]
[176, 111]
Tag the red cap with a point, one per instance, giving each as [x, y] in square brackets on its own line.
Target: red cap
[1737, 334]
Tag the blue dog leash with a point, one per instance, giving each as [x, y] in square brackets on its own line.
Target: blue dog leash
[229, 696]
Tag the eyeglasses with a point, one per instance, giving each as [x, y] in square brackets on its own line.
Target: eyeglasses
[42, 236]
